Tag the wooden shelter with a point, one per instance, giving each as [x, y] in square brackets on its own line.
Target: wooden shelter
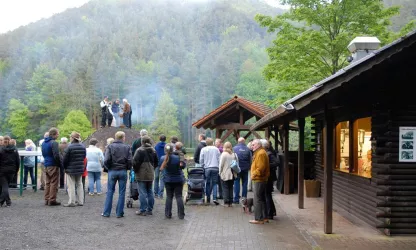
[230, 119]
[364, 122]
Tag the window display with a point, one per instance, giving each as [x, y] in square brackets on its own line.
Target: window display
[353, 155]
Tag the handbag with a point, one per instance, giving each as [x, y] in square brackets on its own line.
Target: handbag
[234, 165]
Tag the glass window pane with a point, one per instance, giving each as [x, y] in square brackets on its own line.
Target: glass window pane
[364, 147]
[343, 147]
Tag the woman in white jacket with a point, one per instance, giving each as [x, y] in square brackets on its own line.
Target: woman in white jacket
[95, 160]
[226, 174]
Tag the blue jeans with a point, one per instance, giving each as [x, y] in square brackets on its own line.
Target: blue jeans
[159, 183]
[28, 170]
[94, 177]
[211, 181]
[243, 175]
[115, 176]
[146, 196]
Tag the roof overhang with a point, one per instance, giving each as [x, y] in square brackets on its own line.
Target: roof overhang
[288, 111]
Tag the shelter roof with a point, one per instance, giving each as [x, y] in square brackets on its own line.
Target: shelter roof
[255, 108]
[341, 78]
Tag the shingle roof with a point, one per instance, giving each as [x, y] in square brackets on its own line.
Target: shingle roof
[258, 109]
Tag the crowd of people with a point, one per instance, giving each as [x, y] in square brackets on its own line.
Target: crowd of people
[258, 163]
[114, 114]
[157, 168]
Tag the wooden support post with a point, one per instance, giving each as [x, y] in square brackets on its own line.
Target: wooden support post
[241, 117]
[229, 132]
[218, 133]
[276, 138]
[286, 158]
[301, 165]
[329, 160]
[247, 135]
[267, 133]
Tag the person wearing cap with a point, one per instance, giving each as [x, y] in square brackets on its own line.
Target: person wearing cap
[104, 111]
[74, 168]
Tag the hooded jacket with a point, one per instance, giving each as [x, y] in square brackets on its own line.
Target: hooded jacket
[50, 153]
[74, 157]
[160, 149]
[9, 160]
[197, 154]
[144, 163]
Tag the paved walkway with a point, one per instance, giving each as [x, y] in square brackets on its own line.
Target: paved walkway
[347, 234]
[28, 224]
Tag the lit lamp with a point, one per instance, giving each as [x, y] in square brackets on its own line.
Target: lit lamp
[361, 135]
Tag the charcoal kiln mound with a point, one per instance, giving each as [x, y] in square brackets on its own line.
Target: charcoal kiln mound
[103, 134]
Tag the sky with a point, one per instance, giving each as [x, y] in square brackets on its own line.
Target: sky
[15, 13]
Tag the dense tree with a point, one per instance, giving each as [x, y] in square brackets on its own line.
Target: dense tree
[18, 120]
[166, 117]
[76, 120]
[312, 39]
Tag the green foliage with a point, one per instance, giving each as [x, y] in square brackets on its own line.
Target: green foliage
[76, 120]
[18, 119]
[312, 39]
[166, 117]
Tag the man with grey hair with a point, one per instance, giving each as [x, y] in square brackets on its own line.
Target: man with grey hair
[138, 142]
[244, 161]
[260, 172]
[210, 160]
[117, 160]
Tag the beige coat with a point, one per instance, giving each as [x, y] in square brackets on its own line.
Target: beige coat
[225, 161]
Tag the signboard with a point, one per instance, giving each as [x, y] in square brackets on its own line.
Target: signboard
[407, 152]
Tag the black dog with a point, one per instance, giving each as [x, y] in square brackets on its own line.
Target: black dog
[247, 204]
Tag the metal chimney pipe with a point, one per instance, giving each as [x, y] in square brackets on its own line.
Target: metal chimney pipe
[362, 46]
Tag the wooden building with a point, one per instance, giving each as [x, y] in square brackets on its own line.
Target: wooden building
[231, 117]
[364, 121]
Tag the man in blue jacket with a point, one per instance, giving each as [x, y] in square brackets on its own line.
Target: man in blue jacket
[244, 161]
[52, 163]
[159, 185]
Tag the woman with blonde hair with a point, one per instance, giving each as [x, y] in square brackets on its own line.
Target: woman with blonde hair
[226, 173]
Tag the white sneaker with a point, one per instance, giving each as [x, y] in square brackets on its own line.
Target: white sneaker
[91, 194]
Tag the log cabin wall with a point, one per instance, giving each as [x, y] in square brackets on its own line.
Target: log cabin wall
[396, 181]
[354, 194]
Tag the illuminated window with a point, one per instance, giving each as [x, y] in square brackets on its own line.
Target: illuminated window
[343, 146]
[363, 133]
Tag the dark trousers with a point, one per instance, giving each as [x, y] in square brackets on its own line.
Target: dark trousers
[61, 177]
[109, 119]
[28, 170]
[259, 189]
[51, 183]
[227, 188]
[103, 119]
[13, 181]
[174, 188]
[270, 208]
[220, 193]
[130, 119]
[126, 120]
[4, 183]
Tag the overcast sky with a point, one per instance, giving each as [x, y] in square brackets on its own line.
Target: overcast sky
[15, 13]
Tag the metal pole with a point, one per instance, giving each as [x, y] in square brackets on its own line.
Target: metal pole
[21, 175]
[301, 166]
[35, 187]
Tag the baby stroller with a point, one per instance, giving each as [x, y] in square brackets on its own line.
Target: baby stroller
[196, 184]
[133, 194]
